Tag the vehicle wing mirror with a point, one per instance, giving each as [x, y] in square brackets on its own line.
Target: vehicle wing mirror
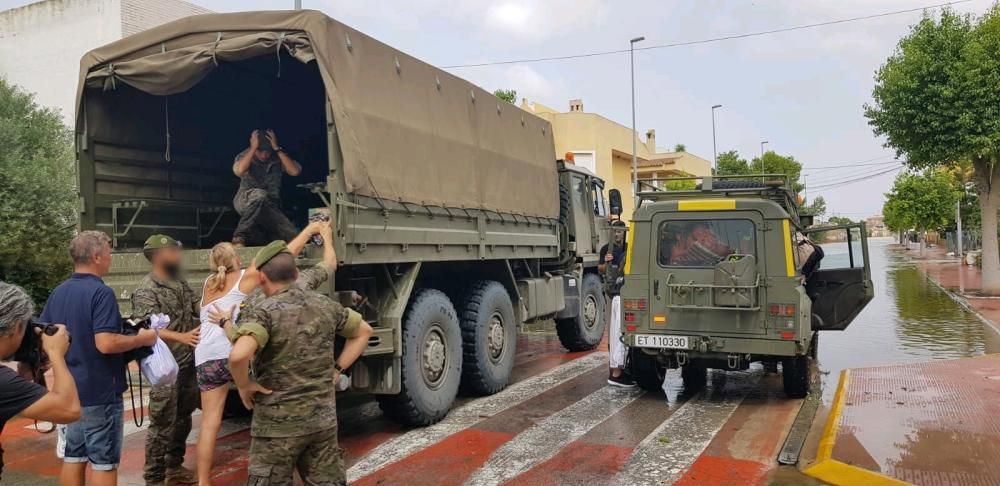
[805, 220]
[615, 202]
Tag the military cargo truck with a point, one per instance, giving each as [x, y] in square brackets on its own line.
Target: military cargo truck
[453, 220]
[713, 280]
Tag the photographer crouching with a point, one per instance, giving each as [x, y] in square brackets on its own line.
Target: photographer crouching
[19, 396]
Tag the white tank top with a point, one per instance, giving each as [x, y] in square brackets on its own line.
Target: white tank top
[213, 343]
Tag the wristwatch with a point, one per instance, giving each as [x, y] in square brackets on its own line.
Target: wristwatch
[279, 149]
[337, 367]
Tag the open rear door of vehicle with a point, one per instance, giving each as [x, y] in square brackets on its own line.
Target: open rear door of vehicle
[842, 286]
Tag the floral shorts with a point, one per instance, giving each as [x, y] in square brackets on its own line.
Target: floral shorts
[213, 374]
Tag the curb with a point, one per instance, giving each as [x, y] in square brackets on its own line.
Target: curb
[832, 471]
[964, 303]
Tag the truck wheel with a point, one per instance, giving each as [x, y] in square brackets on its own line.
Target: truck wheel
[814, 346]
[795, 375]
[694, 377]
[585, 331]
[489, 337]
[563, 205]
[648, 373]
[431, 367]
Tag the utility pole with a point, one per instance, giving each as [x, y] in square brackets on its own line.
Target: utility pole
[958, 221]
[762, 155]
[635, 135]
[715, 153]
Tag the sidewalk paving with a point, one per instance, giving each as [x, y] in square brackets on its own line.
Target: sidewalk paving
[923, 423]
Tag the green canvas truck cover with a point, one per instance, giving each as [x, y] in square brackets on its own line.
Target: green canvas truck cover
[408, 131]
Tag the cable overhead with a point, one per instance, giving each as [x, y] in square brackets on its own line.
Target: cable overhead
[708, 40]
[862, 163]
[833, 178]
[826, 187]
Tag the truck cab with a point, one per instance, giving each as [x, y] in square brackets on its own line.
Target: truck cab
[713, 279]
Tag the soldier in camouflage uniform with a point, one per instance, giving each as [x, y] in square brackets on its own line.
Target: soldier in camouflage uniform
[163, 291]
[292, 332]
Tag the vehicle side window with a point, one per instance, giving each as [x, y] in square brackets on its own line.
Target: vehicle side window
[580, 192]
[600, 208]
[704, 243]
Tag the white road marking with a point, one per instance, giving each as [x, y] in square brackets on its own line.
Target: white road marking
[664, 455]
[542, 441]
[471, 413]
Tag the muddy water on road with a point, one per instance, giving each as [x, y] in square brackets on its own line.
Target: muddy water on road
[909, 320]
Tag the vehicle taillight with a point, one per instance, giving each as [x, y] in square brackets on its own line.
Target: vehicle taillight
[629, 317]
[788, 335]
[786, 310]
[634, 304]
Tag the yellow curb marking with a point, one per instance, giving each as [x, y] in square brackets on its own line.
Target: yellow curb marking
[833, 471]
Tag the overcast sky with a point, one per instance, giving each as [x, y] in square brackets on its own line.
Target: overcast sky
[802, 91]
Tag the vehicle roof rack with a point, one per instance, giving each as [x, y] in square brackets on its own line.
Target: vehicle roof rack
[776, 187]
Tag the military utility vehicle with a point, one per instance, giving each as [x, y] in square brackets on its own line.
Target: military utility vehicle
[454, 221]
[713, 280]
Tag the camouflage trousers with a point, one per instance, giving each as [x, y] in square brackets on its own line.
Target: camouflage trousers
[261, 219]
[170, 409]
[317, 458]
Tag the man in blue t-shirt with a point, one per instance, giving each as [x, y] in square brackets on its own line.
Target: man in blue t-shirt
[90, 311]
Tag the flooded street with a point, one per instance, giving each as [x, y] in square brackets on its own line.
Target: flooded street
[909, 320]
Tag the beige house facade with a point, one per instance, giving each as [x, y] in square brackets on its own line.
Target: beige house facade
[605, 148]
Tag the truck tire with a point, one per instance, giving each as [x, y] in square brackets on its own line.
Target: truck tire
[795, 376]
[489, 337]
[431, 367]
[563, 205]
[584, 332]
[648, 373]
[736, 184]
[694, 377]
[814, 346]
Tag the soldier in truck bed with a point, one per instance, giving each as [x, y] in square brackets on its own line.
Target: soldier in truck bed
[258, 200]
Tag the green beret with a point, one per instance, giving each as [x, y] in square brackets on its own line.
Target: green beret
[156, 242]
[270, 251]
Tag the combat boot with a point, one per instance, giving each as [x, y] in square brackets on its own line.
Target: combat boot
[181, 477]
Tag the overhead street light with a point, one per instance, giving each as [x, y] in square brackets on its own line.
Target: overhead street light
[762, 155]
[715, 154]
[635, 135]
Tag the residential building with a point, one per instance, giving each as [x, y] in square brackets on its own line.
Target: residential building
[605, 148]
[41, 43]
[875, 225]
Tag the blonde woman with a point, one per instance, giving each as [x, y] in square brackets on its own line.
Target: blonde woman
[223, 293]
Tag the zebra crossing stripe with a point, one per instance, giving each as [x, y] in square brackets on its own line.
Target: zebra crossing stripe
[542, 441]
[471, 413]
[664, 455]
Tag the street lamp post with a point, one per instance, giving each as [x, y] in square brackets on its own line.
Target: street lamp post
[762, 155]
[635, 135]
[715, 153]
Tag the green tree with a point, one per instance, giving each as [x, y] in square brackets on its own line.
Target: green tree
[839, 220]
[508, 95]
[921, 201]
[684, 185]
[775, 163]
[935, 100]
[37, 193]
[816, 208]
[680, 148]
[730, 163]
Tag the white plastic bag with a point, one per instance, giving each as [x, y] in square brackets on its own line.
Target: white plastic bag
[159, 368]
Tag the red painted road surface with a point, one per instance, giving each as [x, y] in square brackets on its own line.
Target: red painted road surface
[558, 423]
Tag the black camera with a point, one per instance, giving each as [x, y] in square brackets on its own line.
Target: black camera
[30, 352]
[131, 327]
